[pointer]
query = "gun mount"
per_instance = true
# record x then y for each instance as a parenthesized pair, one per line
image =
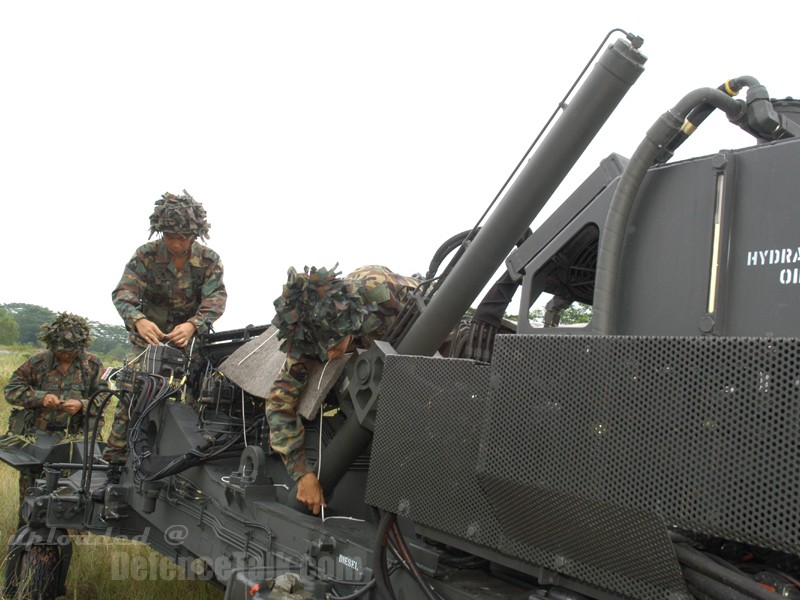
(649, 454)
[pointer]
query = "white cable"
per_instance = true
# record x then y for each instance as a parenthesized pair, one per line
(324, 518)
(258, 348)
(244, 425)
(319, 443)
(322, 375)
(319, 455)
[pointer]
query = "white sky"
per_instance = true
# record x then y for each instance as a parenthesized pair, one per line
(314, 132)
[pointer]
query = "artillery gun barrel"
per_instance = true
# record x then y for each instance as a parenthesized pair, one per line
(616, 71)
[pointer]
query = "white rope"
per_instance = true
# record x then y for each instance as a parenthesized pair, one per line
(244, 425)
(257, 349)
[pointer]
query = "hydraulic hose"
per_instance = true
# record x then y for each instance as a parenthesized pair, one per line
(710, 587)
(427, 591)
(383, 587)
(730, 577)
(701, 112)
(446, 248)
(86, 476)
(658, 136)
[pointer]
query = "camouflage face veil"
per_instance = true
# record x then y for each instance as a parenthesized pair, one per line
(67, 332)
(179, 214)
(315, 312)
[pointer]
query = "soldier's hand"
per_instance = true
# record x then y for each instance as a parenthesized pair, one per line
(182, 334)
(309, 492)
(72, 406)
(51, 401)
(149, 331)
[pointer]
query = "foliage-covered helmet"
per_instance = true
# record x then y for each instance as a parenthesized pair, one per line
(179, 214)
(315, 312)
(67, 332)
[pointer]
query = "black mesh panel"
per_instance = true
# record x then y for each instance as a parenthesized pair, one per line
(584, 449)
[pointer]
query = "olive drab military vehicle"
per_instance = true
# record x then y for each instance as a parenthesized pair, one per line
(652, 453)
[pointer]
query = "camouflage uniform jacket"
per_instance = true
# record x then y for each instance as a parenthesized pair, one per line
(152, 288)
(287, 437)
(39, 376)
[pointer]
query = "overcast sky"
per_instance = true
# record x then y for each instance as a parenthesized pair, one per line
(314, 132)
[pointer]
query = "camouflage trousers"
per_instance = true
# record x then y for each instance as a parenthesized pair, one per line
(116, 451)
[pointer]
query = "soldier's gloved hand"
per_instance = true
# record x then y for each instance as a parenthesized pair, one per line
(72, 406)
(182, 334)
(51, 401)
(149, 331)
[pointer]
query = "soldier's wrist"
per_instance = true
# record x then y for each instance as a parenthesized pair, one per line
(297, 475)
(37, 399)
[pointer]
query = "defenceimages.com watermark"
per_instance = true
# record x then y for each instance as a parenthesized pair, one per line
(156, 567)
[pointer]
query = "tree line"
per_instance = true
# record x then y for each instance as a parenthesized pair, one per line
(20, 323)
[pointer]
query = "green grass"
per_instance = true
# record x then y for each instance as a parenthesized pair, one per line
(102, 567)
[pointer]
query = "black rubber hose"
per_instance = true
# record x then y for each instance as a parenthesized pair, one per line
(610, 251)
(735, 579)
(701, 112)
(412, 566)
(712, 588)
(383, 587)
(698, 594)
(357, 594)
(86, 476)
(446, 248)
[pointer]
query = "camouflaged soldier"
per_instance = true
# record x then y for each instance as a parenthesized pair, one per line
(321, 317)
(52, 388)
(170, 290)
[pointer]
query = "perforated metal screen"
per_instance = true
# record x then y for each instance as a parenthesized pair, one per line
(426, 440)
(584, 448)
(703, 431)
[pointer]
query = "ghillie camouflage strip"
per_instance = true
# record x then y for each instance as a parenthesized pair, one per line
(66, 332)
(179, 214)
(369, 298)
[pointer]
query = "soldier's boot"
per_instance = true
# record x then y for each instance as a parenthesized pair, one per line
(112, 478)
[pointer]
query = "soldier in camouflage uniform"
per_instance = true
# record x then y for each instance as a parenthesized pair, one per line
(52, 388)
(170, 290)
(321, 317)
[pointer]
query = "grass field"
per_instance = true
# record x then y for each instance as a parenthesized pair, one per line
(102, 567)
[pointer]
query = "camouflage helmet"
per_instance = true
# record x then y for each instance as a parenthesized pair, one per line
(316, 311)
(66, 332)
(179, 214)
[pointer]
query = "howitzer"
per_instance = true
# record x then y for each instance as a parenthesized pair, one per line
(650, 453)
